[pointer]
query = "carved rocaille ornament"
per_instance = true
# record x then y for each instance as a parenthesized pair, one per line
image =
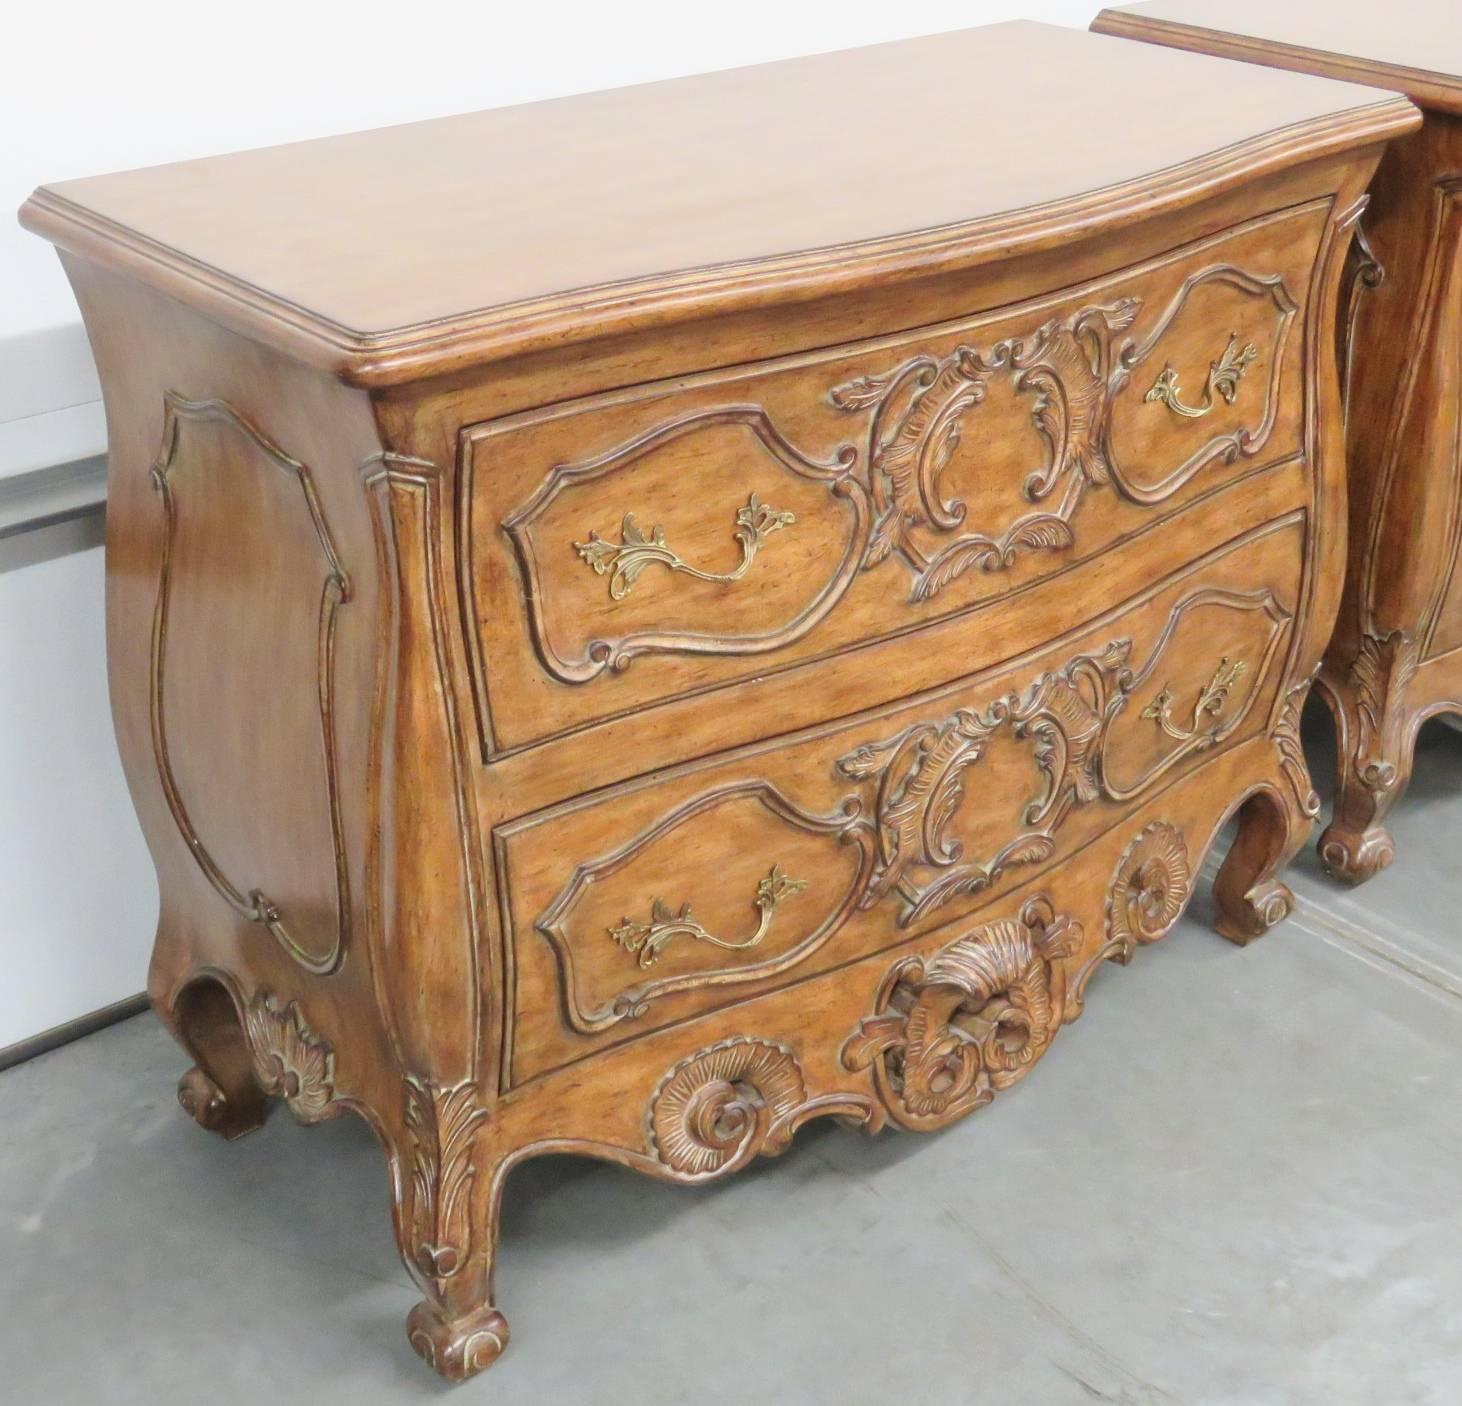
(917, 413)
(921, 776)
(1150, 888)
(948, 1032)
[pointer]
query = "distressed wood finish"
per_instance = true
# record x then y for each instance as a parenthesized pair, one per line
(632, 708)
(1396, 657)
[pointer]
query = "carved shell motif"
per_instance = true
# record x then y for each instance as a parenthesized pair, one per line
(723, 1105)
(290, 1061)
(1149, 889)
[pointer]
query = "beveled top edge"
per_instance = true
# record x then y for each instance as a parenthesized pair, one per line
(444, 345)
(1434, 89)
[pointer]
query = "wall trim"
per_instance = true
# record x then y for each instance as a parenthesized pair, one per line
(70, 1030)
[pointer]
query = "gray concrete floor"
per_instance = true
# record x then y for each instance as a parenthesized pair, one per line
(1235, 1180)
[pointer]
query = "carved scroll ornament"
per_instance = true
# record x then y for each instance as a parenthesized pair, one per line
(1066, 716)
(950, 1031)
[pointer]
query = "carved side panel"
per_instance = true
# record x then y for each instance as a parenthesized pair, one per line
(243, 648)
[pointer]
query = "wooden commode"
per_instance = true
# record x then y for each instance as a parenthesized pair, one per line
(1396, 658)
(642, 620)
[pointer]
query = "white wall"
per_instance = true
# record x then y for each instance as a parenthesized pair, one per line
(93, 86)
(79, 903)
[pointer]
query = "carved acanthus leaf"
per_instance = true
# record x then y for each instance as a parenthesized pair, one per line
(290, 1061)
(442, 1123)
(1380, 673)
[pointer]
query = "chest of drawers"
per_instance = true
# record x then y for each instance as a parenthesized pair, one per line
(640, 621)
(1396, 658)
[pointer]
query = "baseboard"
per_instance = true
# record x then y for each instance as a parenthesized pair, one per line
(70, 1030)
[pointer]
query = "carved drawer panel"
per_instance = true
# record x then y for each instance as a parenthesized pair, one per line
(656, 900)
(650, 543)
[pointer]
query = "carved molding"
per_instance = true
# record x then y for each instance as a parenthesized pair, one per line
(427, 918)
(1241, 443)
(1382, 669)
(618, 653)
(250, 901)
(950, 1031)
(1363, 271)
(1291, 750)
(846, 827)
(442, 1123)
(290, 1061)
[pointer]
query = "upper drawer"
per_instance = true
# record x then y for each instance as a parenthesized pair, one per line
(632, 547)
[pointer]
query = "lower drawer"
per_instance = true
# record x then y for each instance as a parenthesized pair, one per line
(695, 887)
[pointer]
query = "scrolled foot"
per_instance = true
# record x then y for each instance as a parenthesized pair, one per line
(1355, 856)
(1243, 919)
(212, 1109)
(459, 1347)
(1248, 898)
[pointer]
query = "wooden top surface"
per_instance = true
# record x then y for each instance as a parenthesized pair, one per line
(407, 250)
(1411, 46)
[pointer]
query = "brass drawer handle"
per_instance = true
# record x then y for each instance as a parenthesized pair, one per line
(649, 939)
(623, 561)
(1223, 379)
(1210, 704)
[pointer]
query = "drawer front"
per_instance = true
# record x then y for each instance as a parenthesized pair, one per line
(646, 544)
(664, 898)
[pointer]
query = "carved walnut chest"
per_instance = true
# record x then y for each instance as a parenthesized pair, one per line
(639, 621)
(1396, 658)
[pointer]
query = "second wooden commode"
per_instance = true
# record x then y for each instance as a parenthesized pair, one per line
(640, 621)
(1396, 658)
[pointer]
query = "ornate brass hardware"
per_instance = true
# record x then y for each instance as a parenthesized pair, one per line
(649, 939)
(623, 561)
(1223, 380)
(1209, 705)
